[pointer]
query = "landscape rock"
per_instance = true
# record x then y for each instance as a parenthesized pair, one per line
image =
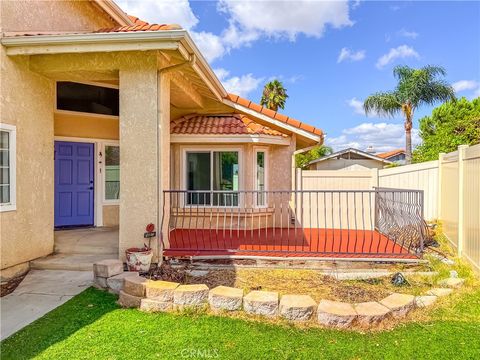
(335, 313)
(115, 283)
(107, 268)
(128, 301)
(161, 290)
(261, 303)
(297, 307)
(425, 300)
(225, 298)
(100, 282)
(190, 295)
(372, 312)
(134, 285)
(440, 292)
(451, 282)
(155, 305)
(400, 304)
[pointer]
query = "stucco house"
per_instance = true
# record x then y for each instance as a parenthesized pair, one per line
(349, 159)
(102, 112)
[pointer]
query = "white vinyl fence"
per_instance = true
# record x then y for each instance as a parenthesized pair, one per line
(451, 187)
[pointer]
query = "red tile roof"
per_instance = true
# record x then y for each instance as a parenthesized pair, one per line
(386, 155)
(140, 25)
(274, 115)
(231, 124)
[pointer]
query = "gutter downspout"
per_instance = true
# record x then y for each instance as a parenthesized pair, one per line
(160, 198)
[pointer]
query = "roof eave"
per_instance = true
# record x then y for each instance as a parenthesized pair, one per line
(128, 41)
(308, 135)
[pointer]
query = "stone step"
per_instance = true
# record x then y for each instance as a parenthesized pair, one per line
(451, 282)
(115, 283)
(129, 301)
(297, 307)
(190, 295)
(336, 313)
(440, 292)
(160, 290)
(74, 262)
(155, 305)
(261, 303)
(372, 312)
(135, 286)
(425, 300)
(225, 298)
(400, 304)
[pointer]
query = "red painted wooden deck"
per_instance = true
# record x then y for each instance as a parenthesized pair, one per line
(285, 243)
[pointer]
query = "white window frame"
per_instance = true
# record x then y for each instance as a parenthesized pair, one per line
(256, 150)
(106, 201)
(211, 150)
(12, 156)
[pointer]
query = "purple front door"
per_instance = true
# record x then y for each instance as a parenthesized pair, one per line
(74, 182)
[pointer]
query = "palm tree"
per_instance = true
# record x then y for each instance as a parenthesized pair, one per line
(416, 87)
(274, 95)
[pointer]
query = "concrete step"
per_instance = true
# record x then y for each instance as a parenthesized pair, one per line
(74, 262)
(87, 241)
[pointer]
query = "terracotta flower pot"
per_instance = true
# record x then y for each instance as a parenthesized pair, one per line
(139, 259)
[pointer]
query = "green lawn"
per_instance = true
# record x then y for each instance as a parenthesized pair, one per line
(92, 326)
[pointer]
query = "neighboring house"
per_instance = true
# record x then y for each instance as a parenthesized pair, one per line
(349, 159)
(101, 112)
(396, 156)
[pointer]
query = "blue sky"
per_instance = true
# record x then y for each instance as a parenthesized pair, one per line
(330, 55)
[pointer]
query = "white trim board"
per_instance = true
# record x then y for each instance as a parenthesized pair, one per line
(12, 167)
(258, 139)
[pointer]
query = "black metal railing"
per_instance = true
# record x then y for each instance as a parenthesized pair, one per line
(355, 223)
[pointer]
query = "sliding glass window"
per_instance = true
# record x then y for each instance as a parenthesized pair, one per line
(214, 178)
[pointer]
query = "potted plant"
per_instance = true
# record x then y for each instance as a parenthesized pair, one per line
(139, 259)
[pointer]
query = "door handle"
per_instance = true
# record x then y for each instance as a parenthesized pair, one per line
(90, 188)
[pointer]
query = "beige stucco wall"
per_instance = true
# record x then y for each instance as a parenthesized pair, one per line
(347, 164)
(26, 101)
(110, 215)
(52, 15)
(85, 126)
(141, 121)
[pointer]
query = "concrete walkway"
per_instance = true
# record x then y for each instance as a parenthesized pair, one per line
(78, 249)
(40, 292)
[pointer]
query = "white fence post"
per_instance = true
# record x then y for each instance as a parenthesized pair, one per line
(441, 158)
(374, 177)
(461, 195)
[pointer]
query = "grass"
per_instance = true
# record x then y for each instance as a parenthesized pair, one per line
(92, 326)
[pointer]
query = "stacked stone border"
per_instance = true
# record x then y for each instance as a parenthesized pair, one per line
(154, 296)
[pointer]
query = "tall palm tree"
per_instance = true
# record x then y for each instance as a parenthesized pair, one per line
(416, 87)
(274, 95)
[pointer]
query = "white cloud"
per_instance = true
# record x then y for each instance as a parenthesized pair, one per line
(239, 85)
(463, 85)
(408, 34)
(210, 45)
(248, 20)
(400, 52)
(161, 12)
(356, 105)
(284, 19)
(381, 136)
(176, 12)
(347, 54)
